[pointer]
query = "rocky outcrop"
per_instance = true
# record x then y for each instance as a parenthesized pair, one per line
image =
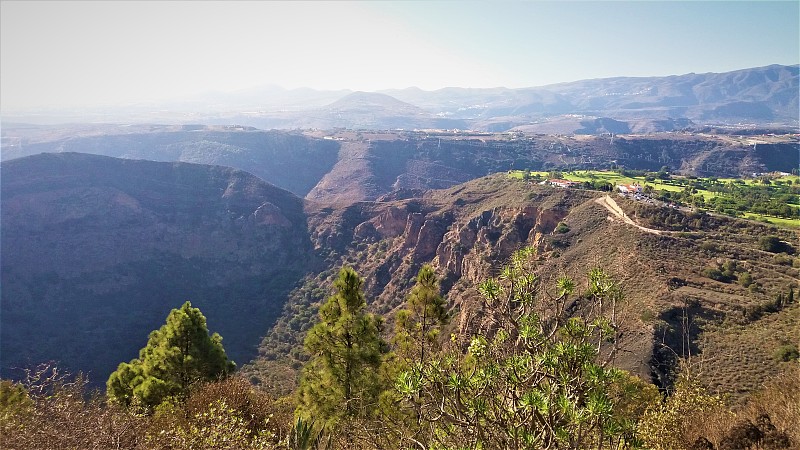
(388, 224)
(460, 247)
(463, 247)
(494, 234)
(429, 238)
(411, 232)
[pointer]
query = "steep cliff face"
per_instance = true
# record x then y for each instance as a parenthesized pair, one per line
(498, 233)
(464, 232)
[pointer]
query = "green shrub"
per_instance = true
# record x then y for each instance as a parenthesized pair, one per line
(769, 243)
(782, 259)
(714, 274)
(773, 244)
(786, 353)
(562, 228)
(539, 380)
(670, 424)
(745, 279)
(647, 316)
(708, 246)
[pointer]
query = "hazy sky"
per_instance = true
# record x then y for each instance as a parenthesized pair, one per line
(67, 53)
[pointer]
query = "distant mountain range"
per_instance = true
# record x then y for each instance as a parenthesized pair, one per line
(757, 96)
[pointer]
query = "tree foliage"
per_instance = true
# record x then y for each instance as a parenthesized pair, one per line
(416, 341)
(177, 356)
(773, 244)
(417, 327)
(534, 379)
(667, 425)
(341, 380)
(14, 399)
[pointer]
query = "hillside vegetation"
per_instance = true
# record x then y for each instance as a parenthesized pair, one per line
(536, 377)
(467, 231)
(98, 249)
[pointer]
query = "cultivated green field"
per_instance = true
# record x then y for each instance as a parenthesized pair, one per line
(779, 221)
(677, 184)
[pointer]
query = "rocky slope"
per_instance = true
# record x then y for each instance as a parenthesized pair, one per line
(97, 250)
(372, 165)
(468, 231)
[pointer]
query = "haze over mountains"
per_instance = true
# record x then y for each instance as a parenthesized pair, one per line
(763, 96)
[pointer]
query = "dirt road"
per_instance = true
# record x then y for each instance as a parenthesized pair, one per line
(617, 212)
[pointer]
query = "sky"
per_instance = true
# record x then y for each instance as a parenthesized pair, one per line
(102, 53)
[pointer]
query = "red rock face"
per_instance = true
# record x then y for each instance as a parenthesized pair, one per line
(388, 224)
(429, 239)
(411, 231)
(392, 222)
(498, 232)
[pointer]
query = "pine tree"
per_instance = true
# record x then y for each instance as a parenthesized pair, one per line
(341, 380)
(418, 326)
(416, 340)
(176, 356)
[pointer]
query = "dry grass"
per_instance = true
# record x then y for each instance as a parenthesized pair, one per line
(58, 416)
(780, 398)
(774, 411)
(737, 359)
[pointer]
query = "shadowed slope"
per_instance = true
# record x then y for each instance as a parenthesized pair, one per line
(97, 250)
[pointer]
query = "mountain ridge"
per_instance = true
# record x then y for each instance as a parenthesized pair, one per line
(97, 249)
(765, 95)
(346, 166)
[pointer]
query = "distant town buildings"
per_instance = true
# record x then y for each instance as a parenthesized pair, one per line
(563, 183)
(635, 188)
